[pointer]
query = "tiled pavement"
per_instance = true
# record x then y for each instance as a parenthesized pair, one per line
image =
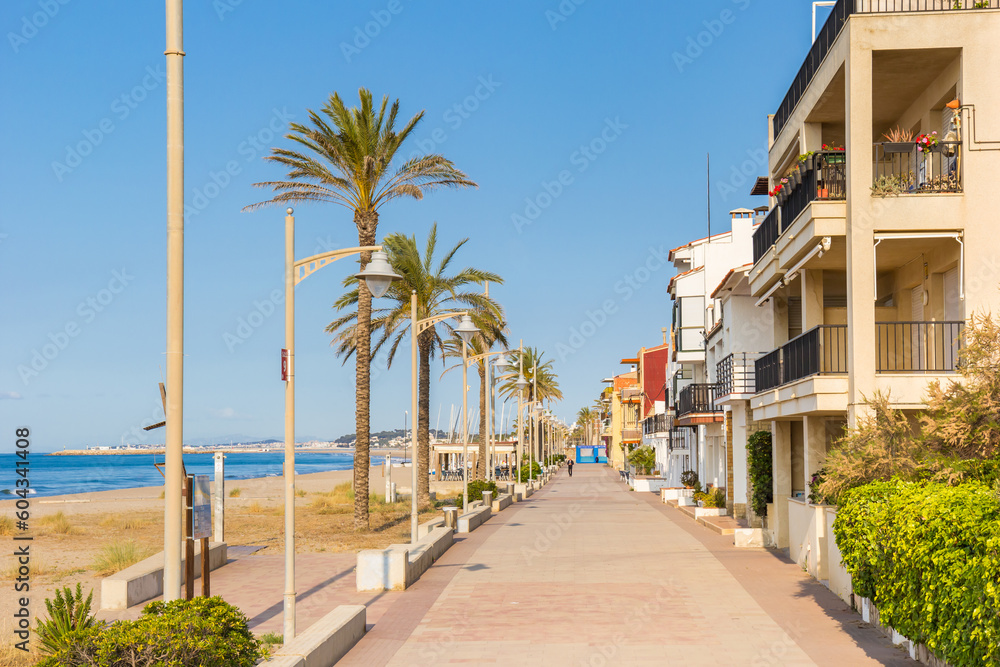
(588, 573)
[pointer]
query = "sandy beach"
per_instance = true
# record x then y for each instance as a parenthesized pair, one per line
(71, 531)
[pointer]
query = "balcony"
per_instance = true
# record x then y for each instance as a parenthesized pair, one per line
(736, 375)
(681, 439)
(696, 399)
(631, 395)
(917, 347)
(835, 24)
(823, 176)
(656, 424)
(631, 434)
(900, 168)
(819, 351)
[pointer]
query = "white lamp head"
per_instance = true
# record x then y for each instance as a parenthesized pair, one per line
(378, 274)
(466, 329)
(521, 383)
(502, 364)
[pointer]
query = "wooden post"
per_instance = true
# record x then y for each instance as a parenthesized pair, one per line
(205, 568)
(189, 540)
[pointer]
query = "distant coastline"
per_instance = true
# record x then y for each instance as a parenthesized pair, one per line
(211, 450)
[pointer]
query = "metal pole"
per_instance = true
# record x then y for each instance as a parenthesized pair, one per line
(465, 426)
(289, 471)
(488, 466)
(534, 423)
(173, 514)
(520, 408)
(414, 334)
(220, 497)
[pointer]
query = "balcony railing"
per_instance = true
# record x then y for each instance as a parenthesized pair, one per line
(631, 394)
(680, 438)
(696, 398)
(821, 350)
(822, 176)
(918, 347)
(736, 374)
(767, 233)
(656, 424)
(900, 168)
(832, 28)
(631, 434)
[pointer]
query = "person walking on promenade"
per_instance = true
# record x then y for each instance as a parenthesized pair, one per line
(569, 464)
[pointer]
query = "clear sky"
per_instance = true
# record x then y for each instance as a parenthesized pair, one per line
(585, 123)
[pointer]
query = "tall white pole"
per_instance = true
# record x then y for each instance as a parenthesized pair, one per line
(520, 408)
(289, 472)
(534, 422)
(488, 464)
(414, 335)
(172, 500)
(465, 426)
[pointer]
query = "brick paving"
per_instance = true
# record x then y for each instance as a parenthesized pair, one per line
(588, 573)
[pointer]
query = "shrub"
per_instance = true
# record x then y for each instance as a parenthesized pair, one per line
(536, 470)
(235, 492)
(206, 632)
(689, 478)
(6, 525)
(476, 488)
(116, 556)
(643, 458)
(70, 620)
(927, 556)
(759, 465)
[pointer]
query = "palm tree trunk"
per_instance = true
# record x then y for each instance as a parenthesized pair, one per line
(483, 454)
(367, 222)
(424, 420)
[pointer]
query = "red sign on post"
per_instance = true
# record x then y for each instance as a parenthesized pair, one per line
(284, 365)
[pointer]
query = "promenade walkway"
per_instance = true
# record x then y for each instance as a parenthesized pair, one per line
(587, 572)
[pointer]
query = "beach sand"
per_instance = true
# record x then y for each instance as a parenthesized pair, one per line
(66, 545)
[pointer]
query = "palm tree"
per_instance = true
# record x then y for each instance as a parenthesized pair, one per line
(492, 330)
(546, 383)
(348, 159)
(585, 418)
(437, 293)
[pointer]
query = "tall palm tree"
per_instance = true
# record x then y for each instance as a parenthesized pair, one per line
(437, 293)
(585, 418)
(492, 330)
(546, 383)
(348, 158)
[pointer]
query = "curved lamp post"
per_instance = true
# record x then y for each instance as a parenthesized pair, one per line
(417, 327)
(502, 365)
(521, 385)
(378, 275)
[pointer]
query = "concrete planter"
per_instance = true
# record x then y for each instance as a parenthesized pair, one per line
(709, 511)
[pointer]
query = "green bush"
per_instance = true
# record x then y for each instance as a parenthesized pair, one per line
(928, 556)
(535, 469)
(643, 458)
(761, 473)
(206, 632)
(689, 478)
(476, 488)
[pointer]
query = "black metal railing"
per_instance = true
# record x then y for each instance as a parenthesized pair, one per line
(766, 234)
(820, 351)
(736, 374)
(656, 424)
(835, 24)
(696, 398)
(680, 438)
(822, 176)
(903, 168)
(917, 347)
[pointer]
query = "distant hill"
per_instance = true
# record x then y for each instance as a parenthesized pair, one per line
(383, 435)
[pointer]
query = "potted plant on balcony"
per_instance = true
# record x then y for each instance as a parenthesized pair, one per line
(835, 154)
(795, 176)
(806, 162)
(897, 140)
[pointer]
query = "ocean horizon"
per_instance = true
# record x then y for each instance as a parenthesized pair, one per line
(57, 475)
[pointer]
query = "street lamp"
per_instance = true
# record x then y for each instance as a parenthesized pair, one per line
(501, 364)
(417, 327)
(521, 385)
(500, 367)
(378, 274)
(466, 330)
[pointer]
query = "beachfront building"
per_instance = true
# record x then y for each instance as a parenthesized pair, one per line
(697, 439)
(624, 431)
(880, 240)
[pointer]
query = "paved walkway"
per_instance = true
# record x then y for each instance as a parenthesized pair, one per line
(587, 572)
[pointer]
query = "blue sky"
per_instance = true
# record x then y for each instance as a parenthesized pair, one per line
(586, 125)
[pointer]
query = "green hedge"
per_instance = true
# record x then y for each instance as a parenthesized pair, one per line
(476, 488)
(928, 556)
(761, 473)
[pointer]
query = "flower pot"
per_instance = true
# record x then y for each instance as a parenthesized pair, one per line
(786, 189)
(809, 163)
(898, 146)
(796, 178)
(822, 193)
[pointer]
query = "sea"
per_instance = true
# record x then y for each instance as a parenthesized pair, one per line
(57, 475)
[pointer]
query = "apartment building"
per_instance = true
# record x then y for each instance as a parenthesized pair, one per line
(696, 433)
(880, 239)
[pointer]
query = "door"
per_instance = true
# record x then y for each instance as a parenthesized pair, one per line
(953, 318)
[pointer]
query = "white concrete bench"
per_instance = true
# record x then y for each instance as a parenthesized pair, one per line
(523, 490)
(502, 502)
(144, 580)
(398, 566)
(326, 641)
(469, 521)
(427, 526)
